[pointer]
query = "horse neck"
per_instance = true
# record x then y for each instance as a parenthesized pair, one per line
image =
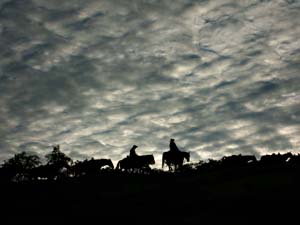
(104, 162)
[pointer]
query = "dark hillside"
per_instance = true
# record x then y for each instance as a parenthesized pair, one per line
(212, 196)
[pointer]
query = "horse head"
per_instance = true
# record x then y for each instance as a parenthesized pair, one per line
(187, 156)
(151, 159)
(164, 158)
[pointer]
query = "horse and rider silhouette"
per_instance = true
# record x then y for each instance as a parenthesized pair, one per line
(135, 162)
(173, 158)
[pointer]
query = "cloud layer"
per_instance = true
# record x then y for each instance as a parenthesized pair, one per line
(96, 77)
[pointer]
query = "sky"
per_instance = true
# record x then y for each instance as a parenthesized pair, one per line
(98, 76)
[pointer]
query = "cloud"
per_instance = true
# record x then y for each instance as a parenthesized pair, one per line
(100, 76)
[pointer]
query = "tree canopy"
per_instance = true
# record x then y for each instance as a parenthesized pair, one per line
(58, 158)
(22, 161)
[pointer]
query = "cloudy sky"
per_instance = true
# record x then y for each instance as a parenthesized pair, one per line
(97, 76)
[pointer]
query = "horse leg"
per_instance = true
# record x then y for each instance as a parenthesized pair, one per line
(177, 167)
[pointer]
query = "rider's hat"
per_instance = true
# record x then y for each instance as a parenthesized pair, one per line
(172, 139)
(135, 146)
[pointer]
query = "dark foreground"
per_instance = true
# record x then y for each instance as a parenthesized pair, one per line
(228, 196)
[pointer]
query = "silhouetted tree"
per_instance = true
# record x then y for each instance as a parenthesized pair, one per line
(58, 158)
(58, 164)
(19, 165)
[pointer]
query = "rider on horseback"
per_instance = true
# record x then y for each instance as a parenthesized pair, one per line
(174, 157)
(132, 152)
(173, 146)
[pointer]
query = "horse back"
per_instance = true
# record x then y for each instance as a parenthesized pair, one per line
(105, 162)
(148, 159)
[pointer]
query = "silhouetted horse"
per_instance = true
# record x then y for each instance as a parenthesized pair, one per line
(104, 162)
(174, 160)
(293, 161)
(89, 167)
(136, 164)
(48, 172)
(238, 160)
(276, 159)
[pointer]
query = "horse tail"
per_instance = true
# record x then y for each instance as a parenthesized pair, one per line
(118, 166)
(163, 160)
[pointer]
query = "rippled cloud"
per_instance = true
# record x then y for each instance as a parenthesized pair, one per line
(97, 77)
